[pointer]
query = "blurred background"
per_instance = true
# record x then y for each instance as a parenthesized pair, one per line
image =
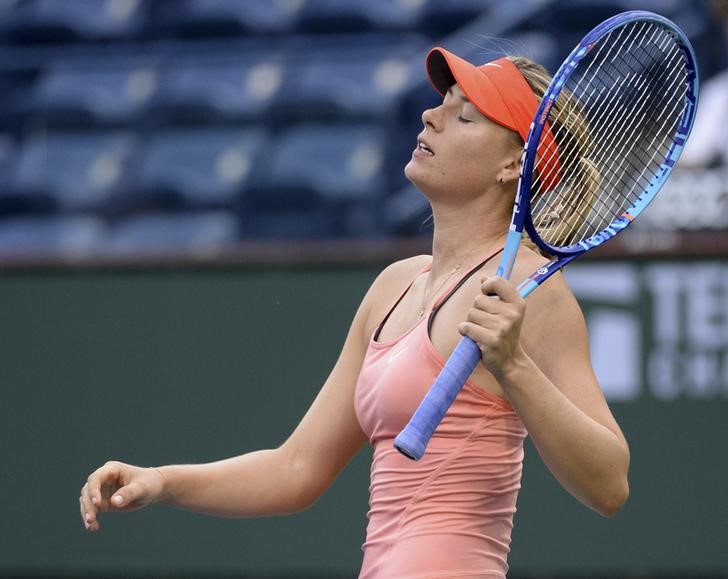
(194, 197)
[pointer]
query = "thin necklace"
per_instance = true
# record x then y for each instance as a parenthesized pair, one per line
(427, 296)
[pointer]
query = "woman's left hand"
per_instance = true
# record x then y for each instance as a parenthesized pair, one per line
(494, 323)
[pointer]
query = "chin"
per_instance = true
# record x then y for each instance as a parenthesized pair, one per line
(416, 177)
(410, 169)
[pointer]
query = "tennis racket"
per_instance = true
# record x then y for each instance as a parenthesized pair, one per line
(620, 109)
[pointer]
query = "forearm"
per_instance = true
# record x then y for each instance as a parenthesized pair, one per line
(261, 483)
(587, 458)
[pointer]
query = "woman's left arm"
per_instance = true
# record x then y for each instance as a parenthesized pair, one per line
(553, 387)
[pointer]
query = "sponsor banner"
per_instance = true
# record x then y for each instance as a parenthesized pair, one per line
(658, 330)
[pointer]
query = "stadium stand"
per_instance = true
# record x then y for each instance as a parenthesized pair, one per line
(197, 168)
(215, 121)
(192, 18)
(155, 234)
(67, 237)
(49, 20)
(220, 88)
(73, 93)
(71, 171)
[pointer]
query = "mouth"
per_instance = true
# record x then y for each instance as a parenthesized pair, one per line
(422, 146)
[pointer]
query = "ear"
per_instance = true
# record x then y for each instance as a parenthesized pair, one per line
(509, 170)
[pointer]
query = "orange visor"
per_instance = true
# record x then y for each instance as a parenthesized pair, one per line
(501, 93)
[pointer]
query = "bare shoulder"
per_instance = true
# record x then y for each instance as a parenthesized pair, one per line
(389, 285)
(553, 316)
(394, 275)
(405, 267)
(555, 305)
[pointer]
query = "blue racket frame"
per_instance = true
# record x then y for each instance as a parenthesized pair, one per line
(413, 439)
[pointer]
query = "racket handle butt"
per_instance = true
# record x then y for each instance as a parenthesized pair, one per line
(410, 445)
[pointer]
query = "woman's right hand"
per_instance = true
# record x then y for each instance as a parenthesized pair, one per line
(118, 487)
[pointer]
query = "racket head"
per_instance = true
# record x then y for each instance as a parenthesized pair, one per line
(654, 91)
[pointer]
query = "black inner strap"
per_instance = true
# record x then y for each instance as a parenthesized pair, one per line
(465, 278)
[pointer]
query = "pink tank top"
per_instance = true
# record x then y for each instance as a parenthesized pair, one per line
(451, 513)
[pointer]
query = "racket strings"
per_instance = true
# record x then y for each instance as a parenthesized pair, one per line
(632, 144)
(568, 135)
(614, 128)
(572, 109)
(597, 119)
(636, 155)
(641, 107)
(640, 154)
(639, 158)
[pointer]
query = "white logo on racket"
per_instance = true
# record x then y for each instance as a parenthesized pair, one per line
(542, 270)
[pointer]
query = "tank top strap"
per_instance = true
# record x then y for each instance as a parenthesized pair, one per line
(448, 293)
(428, 267)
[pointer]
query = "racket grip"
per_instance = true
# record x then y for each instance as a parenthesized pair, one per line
(413, 440)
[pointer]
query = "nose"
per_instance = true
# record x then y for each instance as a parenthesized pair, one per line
(432, 118)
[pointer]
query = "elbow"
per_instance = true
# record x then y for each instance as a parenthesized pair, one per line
(305, 485)
(610, 502)
(302, 497)
(614, 490)
(305, 501)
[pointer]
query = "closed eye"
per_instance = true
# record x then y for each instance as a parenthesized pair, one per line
(464, 120)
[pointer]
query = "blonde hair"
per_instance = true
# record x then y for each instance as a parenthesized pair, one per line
(560, 223)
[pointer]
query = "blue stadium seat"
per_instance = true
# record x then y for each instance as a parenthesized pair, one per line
(439, 18)
(325, 163)
(539, 46)
(74, 171)
(50, 237)
(229, 17)
(339, 170)
(357, 76)
(291, 224)
(14, 90)
(569, 21)
(47, 20)
(7, 9)
(203, 167)
(199, 234)
(406, 213)
(338, 16)
(221, 88)
(7, 158)
(101, 92)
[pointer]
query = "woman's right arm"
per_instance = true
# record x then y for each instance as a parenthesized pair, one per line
(267, 482)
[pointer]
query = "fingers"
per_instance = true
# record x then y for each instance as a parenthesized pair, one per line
(498, 298)
(125, 496)
(484, 337)
(500, 287)
(96, 493)
(118, 487)
(90, 507)
(494, 323)
(87, 510)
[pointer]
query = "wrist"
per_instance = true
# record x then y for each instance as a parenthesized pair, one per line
(163, 484)
(511, 373)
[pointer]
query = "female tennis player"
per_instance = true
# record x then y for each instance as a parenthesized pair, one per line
(451, 513)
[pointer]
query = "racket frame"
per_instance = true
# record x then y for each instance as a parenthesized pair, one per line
(522, 206)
